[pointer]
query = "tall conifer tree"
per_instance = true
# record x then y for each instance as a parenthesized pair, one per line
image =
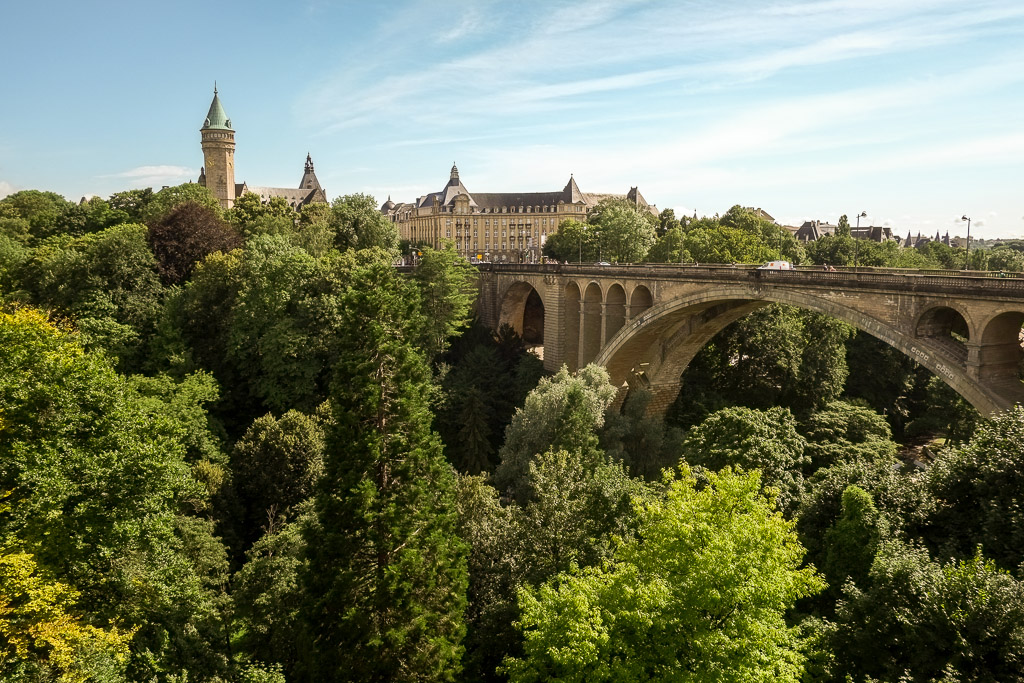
(387, 576)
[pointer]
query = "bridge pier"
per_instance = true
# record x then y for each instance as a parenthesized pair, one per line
(604, 323)
(663, 395)
(554, 327)
(581, 351)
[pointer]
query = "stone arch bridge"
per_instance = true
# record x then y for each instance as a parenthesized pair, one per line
(644, 323)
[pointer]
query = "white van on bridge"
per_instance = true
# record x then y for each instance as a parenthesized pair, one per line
(777, 265)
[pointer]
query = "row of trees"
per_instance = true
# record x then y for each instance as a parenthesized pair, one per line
(619, 231)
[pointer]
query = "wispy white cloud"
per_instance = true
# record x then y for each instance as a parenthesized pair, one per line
(151, 176)
(6, 188)
(546, 66)
(469, 22)
(715, 153)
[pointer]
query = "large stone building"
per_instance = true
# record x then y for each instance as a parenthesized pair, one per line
(495, 226)
(218, 172)
(815, 230)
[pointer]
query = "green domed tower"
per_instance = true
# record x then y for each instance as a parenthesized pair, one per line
(219, 154)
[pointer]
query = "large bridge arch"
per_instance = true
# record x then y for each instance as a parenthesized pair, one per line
(658, 344)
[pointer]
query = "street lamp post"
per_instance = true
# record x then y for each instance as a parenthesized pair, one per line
(856, 245)
(967, 257)
(682, 224)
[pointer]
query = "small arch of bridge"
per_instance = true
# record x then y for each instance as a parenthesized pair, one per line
(999, 352)
(523, 308)
(948, 326)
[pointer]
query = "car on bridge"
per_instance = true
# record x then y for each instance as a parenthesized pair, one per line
(776, 265)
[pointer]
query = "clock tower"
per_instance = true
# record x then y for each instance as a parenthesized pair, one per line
(219, 154)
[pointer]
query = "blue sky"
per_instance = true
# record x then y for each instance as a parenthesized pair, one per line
(911, 111)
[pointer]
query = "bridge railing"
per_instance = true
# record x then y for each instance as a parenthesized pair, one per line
(719, 267)
(864, 276)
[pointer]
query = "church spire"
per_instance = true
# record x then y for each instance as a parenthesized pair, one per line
(455, 172)
(216, 119)
(309, 181)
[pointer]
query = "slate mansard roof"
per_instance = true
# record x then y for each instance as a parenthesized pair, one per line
(296, 197)
(494, 202)
(308, 192)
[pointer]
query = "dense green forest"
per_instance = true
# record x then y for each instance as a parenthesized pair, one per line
(241, 446)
